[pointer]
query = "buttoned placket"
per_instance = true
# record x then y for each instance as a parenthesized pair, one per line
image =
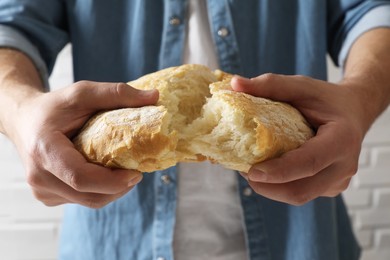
(254, 222)
(171, 55)
(165, 189)
(225, 40)
(173, 33)
(173, 37)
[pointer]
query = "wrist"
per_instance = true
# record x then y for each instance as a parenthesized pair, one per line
(367, 73)
(369, 96)
(19, 82)
(14, 107)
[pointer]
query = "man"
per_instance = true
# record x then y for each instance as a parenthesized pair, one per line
(291, 208)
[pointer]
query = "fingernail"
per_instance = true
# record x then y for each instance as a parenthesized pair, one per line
(240, 79)
(135, 180)
(257, 174)
(149, 92)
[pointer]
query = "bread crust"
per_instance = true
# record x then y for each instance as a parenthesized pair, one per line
(130, 138)
(197, 117)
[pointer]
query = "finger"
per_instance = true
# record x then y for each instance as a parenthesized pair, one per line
(326, 183)
(312, 157)
(244, 175)
(48, 198)
(277, 87)
(94, 200)
(102, 96)
(53, 192)
(71, 167)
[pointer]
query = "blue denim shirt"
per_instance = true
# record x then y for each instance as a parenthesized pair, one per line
(120, 40)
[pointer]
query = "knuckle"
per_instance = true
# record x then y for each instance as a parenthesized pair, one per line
(269, 78)
(75, 180)
(82, 84)
(121, 89)
(333, 194)
(39, 196)
(343, 186)
(353, 169)
(300, 77)
(299, 198)
(79, 91)
(45, 198)
(33, 179)
(95, 202)
(50, 202)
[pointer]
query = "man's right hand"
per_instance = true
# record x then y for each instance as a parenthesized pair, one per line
(41, 125)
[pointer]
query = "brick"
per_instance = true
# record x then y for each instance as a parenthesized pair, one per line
(383, 238)
(382, 198)
(12, 171)
(7, 150)
(5, 202)
(19, 205)
(364, 157)
(378, 175)
(357, 198)
(379, 132)
(373, 218)
(28, 241)
(374, 254)
(26, 208)
(365, 238)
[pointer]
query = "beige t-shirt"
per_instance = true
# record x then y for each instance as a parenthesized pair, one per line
(209, 222)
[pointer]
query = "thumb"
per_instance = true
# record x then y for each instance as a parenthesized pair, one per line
(102, 96)
(272, 86)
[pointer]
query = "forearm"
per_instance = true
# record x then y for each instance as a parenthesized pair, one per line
(367, 69)
(19, 80)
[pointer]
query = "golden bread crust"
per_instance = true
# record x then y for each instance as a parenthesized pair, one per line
(130, 138)
(198, 117)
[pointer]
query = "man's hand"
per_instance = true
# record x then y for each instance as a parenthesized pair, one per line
(324, 165)
(42, 130)
(341, 115)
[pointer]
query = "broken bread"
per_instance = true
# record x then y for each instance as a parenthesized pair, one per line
(197, 117)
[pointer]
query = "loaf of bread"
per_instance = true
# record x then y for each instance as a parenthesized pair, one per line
(198, 117)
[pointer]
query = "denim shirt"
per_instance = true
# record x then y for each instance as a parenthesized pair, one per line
(120, 40)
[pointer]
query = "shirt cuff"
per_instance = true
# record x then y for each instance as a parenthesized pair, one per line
(375, 18)
(11, 38)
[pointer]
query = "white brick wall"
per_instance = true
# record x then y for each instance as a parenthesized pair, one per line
(368, 196)
(29, 230)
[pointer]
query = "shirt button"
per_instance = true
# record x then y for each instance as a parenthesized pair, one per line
(223, 32)
(247, 191)
(175, 21)
(166, 179)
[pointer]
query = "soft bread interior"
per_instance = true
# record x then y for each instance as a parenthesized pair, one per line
(198, 117)
(183, 91)
(222, 134)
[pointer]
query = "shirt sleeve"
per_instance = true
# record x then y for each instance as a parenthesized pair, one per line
(11, 38)
(375, 18)
(343, 16)
(37, 28)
